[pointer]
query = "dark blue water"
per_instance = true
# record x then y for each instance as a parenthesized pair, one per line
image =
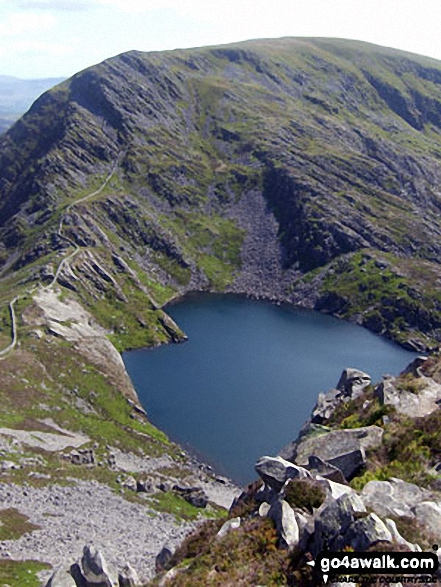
(249, 375)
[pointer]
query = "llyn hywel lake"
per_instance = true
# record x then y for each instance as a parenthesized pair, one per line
(246, 380)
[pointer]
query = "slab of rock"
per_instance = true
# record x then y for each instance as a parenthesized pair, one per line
(232, 524)
(283, 517)
(423, 402)
(128, 577)
(342, 448)
(46, 440)
(318, 467)
(275, 471)
(364, 533)
(394, 497)
(61, 577)
(428, 513)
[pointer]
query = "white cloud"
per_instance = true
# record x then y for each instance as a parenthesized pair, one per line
(51, 5)
(23, 23)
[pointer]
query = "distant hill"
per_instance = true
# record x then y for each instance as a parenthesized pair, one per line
(17, 95)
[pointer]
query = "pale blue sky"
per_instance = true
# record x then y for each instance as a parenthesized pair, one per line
(47, 38)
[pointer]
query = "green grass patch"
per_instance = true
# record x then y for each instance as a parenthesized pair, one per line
(21, 574)
(171, 503)
(13, 524)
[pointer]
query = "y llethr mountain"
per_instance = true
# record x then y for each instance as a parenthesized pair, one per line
(302, 170)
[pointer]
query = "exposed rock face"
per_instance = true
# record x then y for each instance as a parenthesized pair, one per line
(344, 449)
(275, 471)
(422, 400)
(352, 382)
(306, 200)
(228, 527)
(394, 497)
(341, 521)
(284, 519)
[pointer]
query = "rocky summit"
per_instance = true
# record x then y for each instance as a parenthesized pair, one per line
(296, 170)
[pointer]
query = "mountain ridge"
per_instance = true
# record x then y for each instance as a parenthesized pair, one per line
(342, 146)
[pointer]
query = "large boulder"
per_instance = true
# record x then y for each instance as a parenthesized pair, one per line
(162, 559)
(195, 496)
(345, 449)
(417, 400)
(365, 532)
(353, 382)
(285, 521)
(275, 471)
(94, 571)
(394, 497)
(128, 577)
(61, 577)
(428, 514)
(334, 519)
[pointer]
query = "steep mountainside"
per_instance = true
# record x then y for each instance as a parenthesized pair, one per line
(304, 170)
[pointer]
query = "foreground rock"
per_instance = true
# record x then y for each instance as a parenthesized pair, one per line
(344, 449)
(276, 471)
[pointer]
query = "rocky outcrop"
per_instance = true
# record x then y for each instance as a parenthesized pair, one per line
(285, 521)
(397, 498)
(340, 521)
(276, 471)
(351, 385)
(419, 398)
(93, 571)
(344, 449)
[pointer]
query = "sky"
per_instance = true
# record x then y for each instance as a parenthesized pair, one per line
(57, 38)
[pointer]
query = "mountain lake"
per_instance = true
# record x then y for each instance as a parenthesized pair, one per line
(247, 379)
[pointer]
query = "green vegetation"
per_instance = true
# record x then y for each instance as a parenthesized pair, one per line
(21, 573)
(13, 525)
(172, 503)
(248, 556)
(375, 289)
(305, 494)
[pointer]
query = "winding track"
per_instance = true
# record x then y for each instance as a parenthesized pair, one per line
(63, 262)
(13, 329)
